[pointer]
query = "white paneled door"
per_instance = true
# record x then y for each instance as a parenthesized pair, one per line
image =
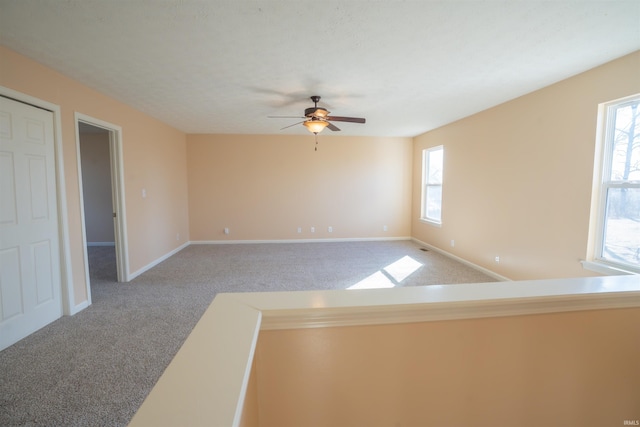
(29, 251)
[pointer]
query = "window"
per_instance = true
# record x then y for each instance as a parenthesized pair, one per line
(432, 161)
(616, 239)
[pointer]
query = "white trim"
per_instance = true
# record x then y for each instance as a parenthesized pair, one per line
(364, 239)
(79, 307)
(225, 382)
(450, 310)
(101, 243)
(603, 268)
(463, 261)
(594, 240)
(228, 331)
(117, 183)
(85, 255)
(66, 274)
(605, 131)
(347, 239)
(426, 153)
(431, 222)
(157, 261)
(117, 191)
(234, 242)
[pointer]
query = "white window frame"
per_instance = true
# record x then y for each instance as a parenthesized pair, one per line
(426, 184)
(601, 184)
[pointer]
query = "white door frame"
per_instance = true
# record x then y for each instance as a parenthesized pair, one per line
(117, 191)
(69, 306)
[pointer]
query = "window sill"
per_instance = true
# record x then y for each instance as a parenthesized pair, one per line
(603, 268)
(431, 222)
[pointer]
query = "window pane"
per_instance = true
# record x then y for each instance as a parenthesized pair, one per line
(434, 202)
(432, 164)
(435, 167)
(622, 226)
(625, 165)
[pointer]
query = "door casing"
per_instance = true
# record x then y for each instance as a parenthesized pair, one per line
(117, 195)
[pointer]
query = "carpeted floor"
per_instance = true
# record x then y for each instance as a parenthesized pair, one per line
(96, 368)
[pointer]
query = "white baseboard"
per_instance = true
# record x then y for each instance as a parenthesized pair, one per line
(79, 307)
(346, 239)
(157, 261)
(152, 264)
(101, 243)
(357, 239)
(463, 261)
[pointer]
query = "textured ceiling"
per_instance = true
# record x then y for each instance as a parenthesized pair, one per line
(407, 66)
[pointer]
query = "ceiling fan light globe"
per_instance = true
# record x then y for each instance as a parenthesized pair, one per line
(315, 126)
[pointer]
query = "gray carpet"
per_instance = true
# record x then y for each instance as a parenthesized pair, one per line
(96, 368)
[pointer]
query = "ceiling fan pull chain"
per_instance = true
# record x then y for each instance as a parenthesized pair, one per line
(316, 149)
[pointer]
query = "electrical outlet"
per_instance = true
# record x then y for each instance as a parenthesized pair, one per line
(299, 229)
(226, 230)
(177, 236)
(384, 228)
(453, 243)
(330, 229)
(497, 259)
(313, 229)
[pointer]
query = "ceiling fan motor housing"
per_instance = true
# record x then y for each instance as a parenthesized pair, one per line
(316, 112)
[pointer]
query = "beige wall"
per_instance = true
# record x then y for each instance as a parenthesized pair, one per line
(517, 177)
(562, 369)
(250, 416)
(96, 187)
(263, 187)
(154, 158)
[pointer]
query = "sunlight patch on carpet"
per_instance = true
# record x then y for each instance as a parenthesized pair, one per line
(390, 275)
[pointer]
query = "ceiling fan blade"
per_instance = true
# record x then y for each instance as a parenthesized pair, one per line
(332, 127)
(346, 119)
(286, 117)
(286, 127)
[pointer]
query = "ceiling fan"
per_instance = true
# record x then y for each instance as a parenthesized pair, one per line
(318, 118)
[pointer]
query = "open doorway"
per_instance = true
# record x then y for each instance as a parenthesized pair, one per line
(102, 192)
